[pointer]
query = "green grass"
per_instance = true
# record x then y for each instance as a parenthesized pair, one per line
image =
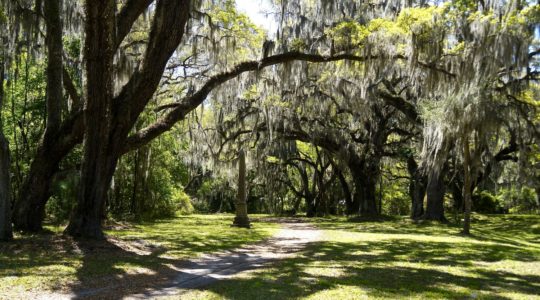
(401, 260)
(141, 253)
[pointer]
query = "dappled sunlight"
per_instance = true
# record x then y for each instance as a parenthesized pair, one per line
(134, 253)
(384, 263)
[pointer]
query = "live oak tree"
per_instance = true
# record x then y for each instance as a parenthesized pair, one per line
(106, 141)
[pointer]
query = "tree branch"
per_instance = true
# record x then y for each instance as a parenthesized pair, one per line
(129, 13)
(179, 112)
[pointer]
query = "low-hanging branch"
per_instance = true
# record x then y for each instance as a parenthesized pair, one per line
(178, 111)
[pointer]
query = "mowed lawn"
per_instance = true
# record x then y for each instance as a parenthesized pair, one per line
(141, 254)
(401, 260)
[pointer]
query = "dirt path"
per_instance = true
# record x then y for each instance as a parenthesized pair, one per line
(207, 269)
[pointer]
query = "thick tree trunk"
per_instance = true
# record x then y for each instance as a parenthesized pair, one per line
(99, 159)
(241, 219)
(368, 202)
(29, 208)
(5, 184)
(365, 178)
(34, 193)
(467, 193)
(417, 189)
(537, 198)
(435, 197)
(108, 121)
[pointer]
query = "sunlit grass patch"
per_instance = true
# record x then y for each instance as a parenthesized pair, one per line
(402, 260)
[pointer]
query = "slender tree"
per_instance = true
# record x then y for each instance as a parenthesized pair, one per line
(5, 184)
(241, 219)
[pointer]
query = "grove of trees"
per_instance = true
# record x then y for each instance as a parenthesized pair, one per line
(135, 109)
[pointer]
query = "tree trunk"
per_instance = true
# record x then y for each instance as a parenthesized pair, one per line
(5, 184)
(311, 206)
(457, 194)
(537, 198)
(365, 178)
(29, 210)
(346, 191)
(417, 189)
(54, 66)
(105, 140)
(100, 158)
(435, 197)
(241, 219)
(466, 186)
(5, 193)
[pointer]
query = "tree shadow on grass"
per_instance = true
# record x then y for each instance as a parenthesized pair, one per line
(372, 268)
(127, 264)
(110, 271)
(102, 276)
(513, 230)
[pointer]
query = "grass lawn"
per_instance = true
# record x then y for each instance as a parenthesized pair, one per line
(401, 260)
(141, 253)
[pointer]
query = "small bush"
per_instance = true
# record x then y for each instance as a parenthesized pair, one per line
(485, 202)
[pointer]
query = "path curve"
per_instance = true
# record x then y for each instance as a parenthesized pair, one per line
(290, 239)
(203, 271)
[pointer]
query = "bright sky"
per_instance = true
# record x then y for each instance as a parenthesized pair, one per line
(256, 10)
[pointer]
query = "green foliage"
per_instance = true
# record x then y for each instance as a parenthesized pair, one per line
(3, 18)
(485, 202)
(148, 183)
(233, 34)
(215, 195)
(298, 45)
(519, 200)
(396, 200)
(62, 202)
(23, 111)
(532, 14)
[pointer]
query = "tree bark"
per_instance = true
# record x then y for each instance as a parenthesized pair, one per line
(365, 178)
(5, 192)
(435, 197)
(34, 193)
(241, 219)
(99, 161)
(29, 210)
(417, 189)
(349, 209)
(104, 142)
(467, 193)
(6, 232)
(54, 66)
(457, 194)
